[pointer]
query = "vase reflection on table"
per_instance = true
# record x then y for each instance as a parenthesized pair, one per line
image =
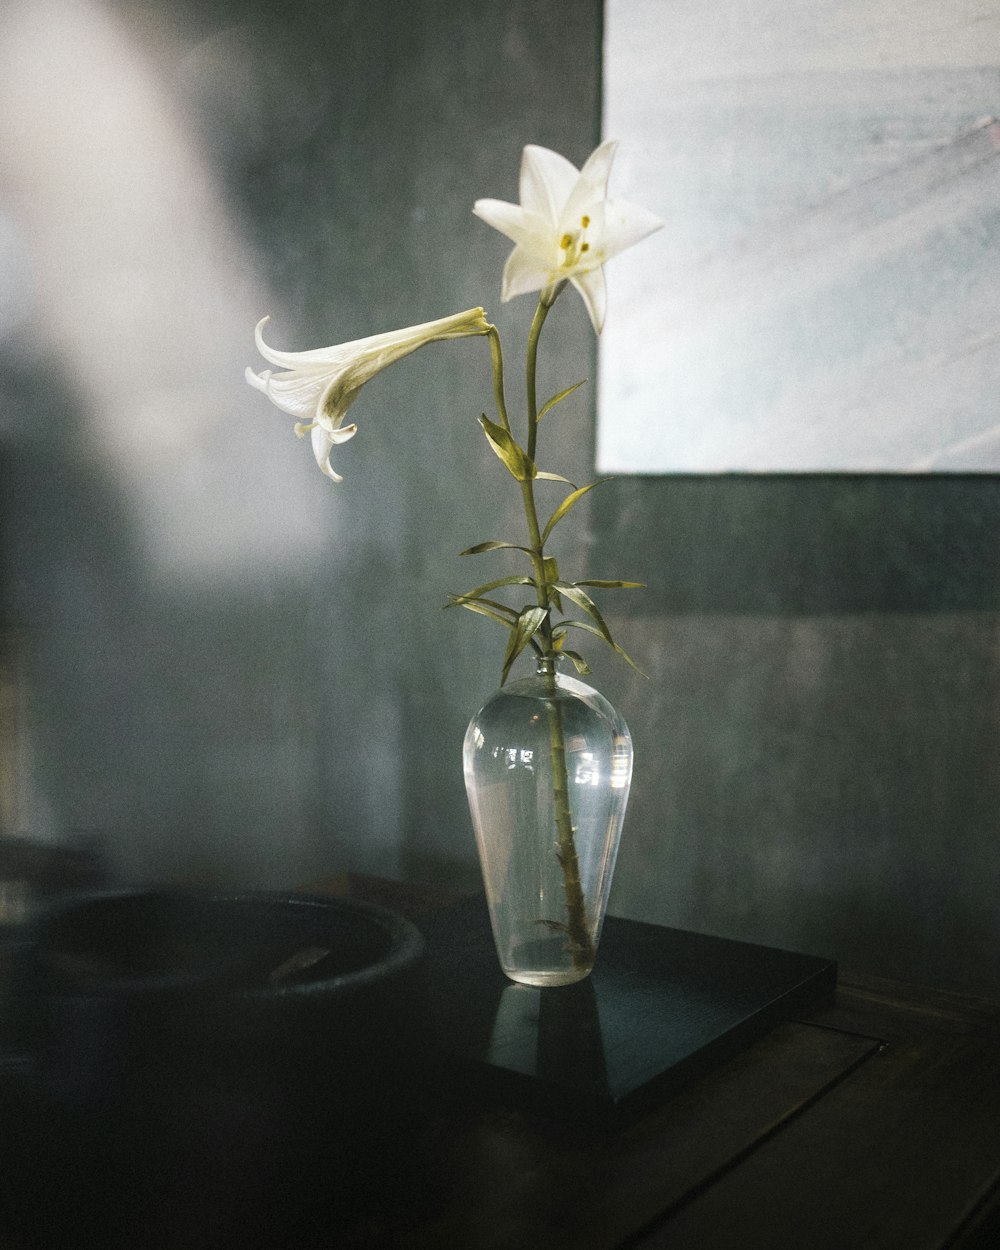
(548, 764)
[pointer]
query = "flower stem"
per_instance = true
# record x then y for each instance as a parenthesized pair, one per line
(579, 944)
(541, 312)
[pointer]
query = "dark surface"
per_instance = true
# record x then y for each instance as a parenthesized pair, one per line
(661, 1008)
(167, 1093)
(870, 1120)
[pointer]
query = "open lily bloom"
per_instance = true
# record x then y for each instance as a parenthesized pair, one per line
(318, 387)
(565, 227)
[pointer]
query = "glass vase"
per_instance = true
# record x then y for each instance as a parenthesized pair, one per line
(548, 763)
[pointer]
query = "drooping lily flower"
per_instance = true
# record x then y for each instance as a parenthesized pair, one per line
(565, 227)
(319, 386)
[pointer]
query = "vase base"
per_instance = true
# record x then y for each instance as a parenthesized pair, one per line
(563, 976)
(661, 1009)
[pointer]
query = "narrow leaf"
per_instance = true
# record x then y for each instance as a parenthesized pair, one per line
(474, 605)
(592, 629)
(583, 600)
(488, 586)
(463, 601)
(552, 576)
(554, 477)
(579, 663)
(524, 629)
(493, 545)
(511, 453)
(601, 584)
(565, 506)
(557, 399)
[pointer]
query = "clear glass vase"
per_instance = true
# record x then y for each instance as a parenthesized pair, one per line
(548, 763)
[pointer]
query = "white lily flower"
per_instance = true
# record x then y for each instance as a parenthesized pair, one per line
(565, 227)
(319, 386)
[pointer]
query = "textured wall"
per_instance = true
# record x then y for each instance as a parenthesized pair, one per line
(818, 732)
(239, 672)
(233, 669)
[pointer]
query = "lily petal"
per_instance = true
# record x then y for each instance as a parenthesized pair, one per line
(295, 393)
(528, 230)
(565, 227)
(507, 218)
(321, 445)
(594, 290)
(288, 360)
(626, 224)
(546, 182)
(523, 272)
(597, 168)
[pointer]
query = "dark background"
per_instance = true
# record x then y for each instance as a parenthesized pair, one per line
(233, 671)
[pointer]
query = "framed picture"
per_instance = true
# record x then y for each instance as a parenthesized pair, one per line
(825, 295)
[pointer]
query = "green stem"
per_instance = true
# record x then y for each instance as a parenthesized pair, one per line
(579, 941)
(579, 944)
(541, 312)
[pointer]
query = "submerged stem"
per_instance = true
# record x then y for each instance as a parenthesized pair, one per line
(580, 945)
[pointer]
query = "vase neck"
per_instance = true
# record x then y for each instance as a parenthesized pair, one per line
(545, 665)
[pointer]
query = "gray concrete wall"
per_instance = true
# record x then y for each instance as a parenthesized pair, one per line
(240, 673)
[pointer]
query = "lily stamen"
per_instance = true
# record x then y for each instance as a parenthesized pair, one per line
(566, 228)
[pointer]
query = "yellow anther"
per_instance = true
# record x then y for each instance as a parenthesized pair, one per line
(584, 247)
(566, 241)
(585, 222)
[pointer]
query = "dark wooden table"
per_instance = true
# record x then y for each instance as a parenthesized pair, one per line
(812, 1138)
(872, 1122)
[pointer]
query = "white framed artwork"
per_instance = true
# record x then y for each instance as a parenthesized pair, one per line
(825, 294)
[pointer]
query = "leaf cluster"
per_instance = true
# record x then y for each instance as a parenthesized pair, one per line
(544, 625)
(537, 625)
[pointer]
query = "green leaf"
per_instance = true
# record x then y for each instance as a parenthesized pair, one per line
(601, 584)
(475, 605)
(553, 477)
(551, 577)
(493, 545)
(583, 600)
(468, 601)
(488, 586)
(557, 399)
(510, 452)
(579, 663)
(565, 506)
(482, 610)
(524, 630)
(592, 629)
